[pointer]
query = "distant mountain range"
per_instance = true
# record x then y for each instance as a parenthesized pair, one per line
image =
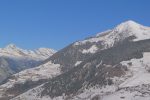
(14, 59)
(113, 65)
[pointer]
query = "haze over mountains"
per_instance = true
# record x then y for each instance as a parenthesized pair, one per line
(112, 65)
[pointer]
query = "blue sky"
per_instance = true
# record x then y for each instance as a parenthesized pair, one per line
(31, 24)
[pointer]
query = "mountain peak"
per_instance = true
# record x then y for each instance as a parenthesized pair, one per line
(12, 46)
(128, 26)
(131, 28)
(131, 22)
(38, 54)
(119, 33)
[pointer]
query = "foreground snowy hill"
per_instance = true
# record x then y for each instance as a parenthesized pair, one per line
(14, 59)
(108, 66)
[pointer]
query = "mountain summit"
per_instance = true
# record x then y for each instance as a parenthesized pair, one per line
(128, 25)
(132, 28)
(11, 46)
(119, 33)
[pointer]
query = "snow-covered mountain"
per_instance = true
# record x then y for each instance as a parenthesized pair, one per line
(80, 50)
(13, 51)
(113, 65)
(14, 59)
(119, 33)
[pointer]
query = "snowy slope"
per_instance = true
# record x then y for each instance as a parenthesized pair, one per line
(45, 71)
(139, 71)
(135, 84)
(30, 95)
(131, 93)
(92, 49)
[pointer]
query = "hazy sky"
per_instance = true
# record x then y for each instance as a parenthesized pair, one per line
(31, 24)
